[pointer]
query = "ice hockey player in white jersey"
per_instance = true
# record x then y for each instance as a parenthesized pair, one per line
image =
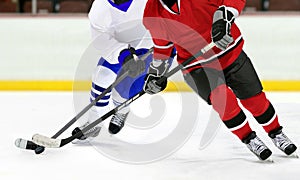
(117, 28)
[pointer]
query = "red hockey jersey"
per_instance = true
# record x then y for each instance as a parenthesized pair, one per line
(187, 27)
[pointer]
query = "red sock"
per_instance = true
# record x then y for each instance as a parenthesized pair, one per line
(262, 110)
(225, 103)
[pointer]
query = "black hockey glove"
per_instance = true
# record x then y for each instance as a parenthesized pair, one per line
(157, 69)
(222, 21)
(131, 62)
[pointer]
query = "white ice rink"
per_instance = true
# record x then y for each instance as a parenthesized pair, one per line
(225, 158)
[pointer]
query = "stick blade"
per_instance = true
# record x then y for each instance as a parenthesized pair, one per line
(21, 143)
(46, 141)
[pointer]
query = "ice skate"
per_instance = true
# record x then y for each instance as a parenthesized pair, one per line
(88, 135)
(257, 146)
(117, 122)
(282, 142)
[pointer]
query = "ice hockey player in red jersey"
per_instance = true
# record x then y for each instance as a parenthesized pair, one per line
(222, 75)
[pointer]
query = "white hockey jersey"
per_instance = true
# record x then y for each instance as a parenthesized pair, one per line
(113, 29)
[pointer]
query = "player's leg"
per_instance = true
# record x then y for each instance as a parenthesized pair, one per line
(126, 89)
(118, 119)
(103, 76)
(265, 114)
(209, 84)
(247, 86)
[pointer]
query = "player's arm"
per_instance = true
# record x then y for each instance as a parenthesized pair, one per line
(238, 5)
(162, 59)
(163, 50)
(223, 18)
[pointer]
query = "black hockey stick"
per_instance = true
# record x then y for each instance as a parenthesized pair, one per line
(26, 144)
(57, 143)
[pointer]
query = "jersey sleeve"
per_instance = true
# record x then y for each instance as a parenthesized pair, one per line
(156, 26)
(162, 47)
(103, 33)
(237, 4)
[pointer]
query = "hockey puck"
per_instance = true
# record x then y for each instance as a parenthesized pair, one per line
(39, 150)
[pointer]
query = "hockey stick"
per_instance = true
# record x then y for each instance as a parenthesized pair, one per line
(57, 143)
(26, 144)
(83, 111)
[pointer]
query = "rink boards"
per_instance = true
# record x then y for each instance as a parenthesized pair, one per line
(49, 50)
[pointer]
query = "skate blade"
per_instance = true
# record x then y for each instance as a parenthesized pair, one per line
(82, 142)
(293, 155)
(269, 160)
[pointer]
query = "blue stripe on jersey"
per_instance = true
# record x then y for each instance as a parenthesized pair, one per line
(123, 7)
(100, 104)
(114, 67)
(98, 88)
(95, 95)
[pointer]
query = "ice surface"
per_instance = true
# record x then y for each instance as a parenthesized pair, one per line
(225, 157)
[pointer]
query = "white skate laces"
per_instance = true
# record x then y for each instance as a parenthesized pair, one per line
(93, 132)
(117, 122)
(282, 142)
(256, 146)
(118, 119)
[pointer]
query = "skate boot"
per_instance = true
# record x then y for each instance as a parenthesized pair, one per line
(257, 146)
(88, 135)
(282, 142)
(117, 122)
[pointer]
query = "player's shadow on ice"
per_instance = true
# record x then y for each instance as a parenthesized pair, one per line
(217, 160)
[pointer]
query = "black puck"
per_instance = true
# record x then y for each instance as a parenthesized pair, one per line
(39, 150)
